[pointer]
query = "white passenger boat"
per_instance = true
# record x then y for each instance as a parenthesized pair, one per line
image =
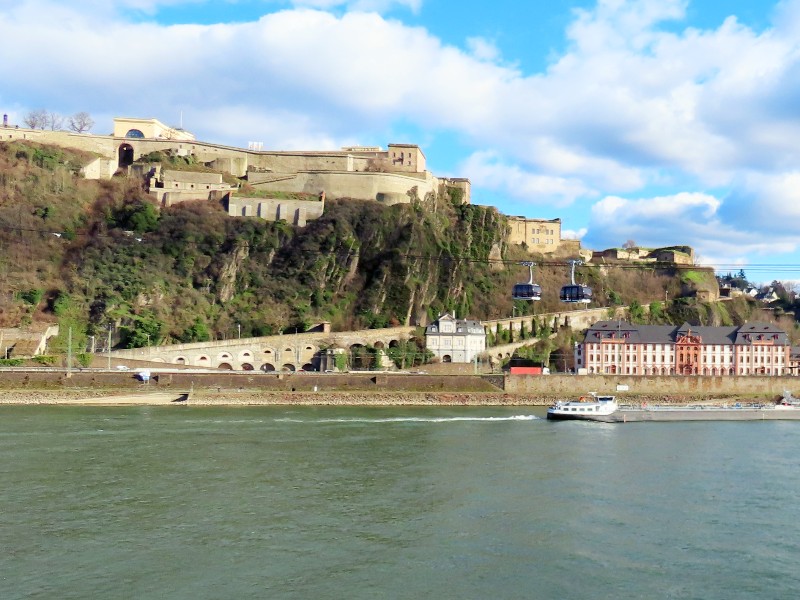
(585, 408)
(594, 407)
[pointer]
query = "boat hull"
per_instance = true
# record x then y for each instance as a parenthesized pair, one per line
(572, 417)
(632, 415)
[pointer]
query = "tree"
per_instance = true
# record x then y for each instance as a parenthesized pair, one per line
(81, 122)
(629, 245)
(55, 121)
(36, 119)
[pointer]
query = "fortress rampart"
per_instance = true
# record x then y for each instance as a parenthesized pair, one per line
(387, 176)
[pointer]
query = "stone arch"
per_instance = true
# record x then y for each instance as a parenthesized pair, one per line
(288, 367)
(224, 356)
(225, 367)
(203, 361)
(379, 345)
(360, 357)
(135, 134)
(267, 368)
(447, 358)
(245, 355)
(125, 156)
(308, 367)
(247, 367)
(180, 360)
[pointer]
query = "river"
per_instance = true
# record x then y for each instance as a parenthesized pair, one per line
(338, 502)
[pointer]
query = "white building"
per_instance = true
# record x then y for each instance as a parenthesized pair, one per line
(455, 340)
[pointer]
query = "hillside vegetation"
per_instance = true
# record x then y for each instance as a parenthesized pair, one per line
(100, 256)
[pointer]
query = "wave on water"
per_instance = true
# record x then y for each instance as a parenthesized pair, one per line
(410, 419)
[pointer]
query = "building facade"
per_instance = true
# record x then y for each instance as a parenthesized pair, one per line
(539, 235)
(617, 347)
(149, 129)
(455, 340)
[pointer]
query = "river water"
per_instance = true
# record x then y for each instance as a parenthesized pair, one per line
(332, 503)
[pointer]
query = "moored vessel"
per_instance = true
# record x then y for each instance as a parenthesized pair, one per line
(607, 410)
(590, 407)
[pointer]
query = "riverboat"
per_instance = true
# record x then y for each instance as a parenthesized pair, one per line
(606, 409)
(589, 407)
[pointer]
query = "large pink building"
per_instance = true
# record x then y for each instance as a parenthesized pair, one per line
(617, 347)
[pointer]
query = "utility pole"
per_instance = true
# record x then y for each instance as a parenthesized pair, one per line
(109, 347)
(69, 349)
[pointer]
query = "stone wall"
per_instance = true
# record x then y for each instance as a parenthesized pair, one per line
(294, 350)
(573, 386)
(387, 188)
(297, 212)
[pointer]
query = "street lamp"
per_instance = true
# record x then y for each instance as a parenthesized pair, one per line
(513, 311)
(239, 328)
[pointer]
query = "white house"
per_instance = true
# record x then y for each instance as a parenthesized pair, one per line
(455, 340)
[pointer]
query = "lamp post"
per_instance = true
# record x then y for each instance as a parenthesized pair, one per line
(239, 330)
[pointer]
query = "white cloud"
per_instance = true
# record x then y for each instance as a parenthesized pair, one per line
(483, 49)
(486, 170)
(693, 219)
(576, 234)
(360, 5)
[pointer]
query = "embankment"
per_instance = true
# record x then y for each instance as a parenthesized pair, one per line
(238, 388)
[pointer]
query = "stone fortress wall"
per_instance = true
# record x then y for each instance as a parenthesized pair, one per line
(388, 176)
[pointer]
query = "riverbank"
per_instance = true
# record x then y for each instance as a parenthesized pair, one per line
(254, 397)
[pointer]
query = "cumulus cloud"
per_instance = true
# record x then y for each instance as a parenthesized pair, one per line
(486, 170)
(685, 218)
(360, 5)
(573, 234)
(483, 49)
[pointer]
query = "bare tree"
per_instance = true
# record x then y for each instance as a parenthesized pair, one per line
(36, 119)
(629, 245)
(54, 121)
(80, 122)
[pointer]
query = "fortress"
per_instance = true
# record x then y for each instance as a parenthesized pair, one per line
(391, 176)
(288, 185)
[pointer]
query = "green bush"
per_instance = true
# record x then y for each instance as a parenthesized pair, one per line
(45, 360)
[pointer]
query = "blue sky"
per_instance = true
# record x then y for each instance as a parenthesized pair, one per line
(658, 121)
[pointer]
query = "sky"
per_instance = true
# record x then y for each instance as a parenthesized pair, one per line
(660, 122)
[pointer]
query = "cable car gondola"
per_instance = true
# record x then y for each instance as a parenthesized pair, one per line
(527, 291)
(575, 293)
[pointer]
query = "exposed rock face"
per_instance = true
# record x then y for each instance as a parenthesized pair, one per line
(226, 287)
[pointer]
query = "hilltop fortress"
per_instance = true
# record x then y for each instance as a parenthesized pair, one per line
(287, 185)
(389, 176)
